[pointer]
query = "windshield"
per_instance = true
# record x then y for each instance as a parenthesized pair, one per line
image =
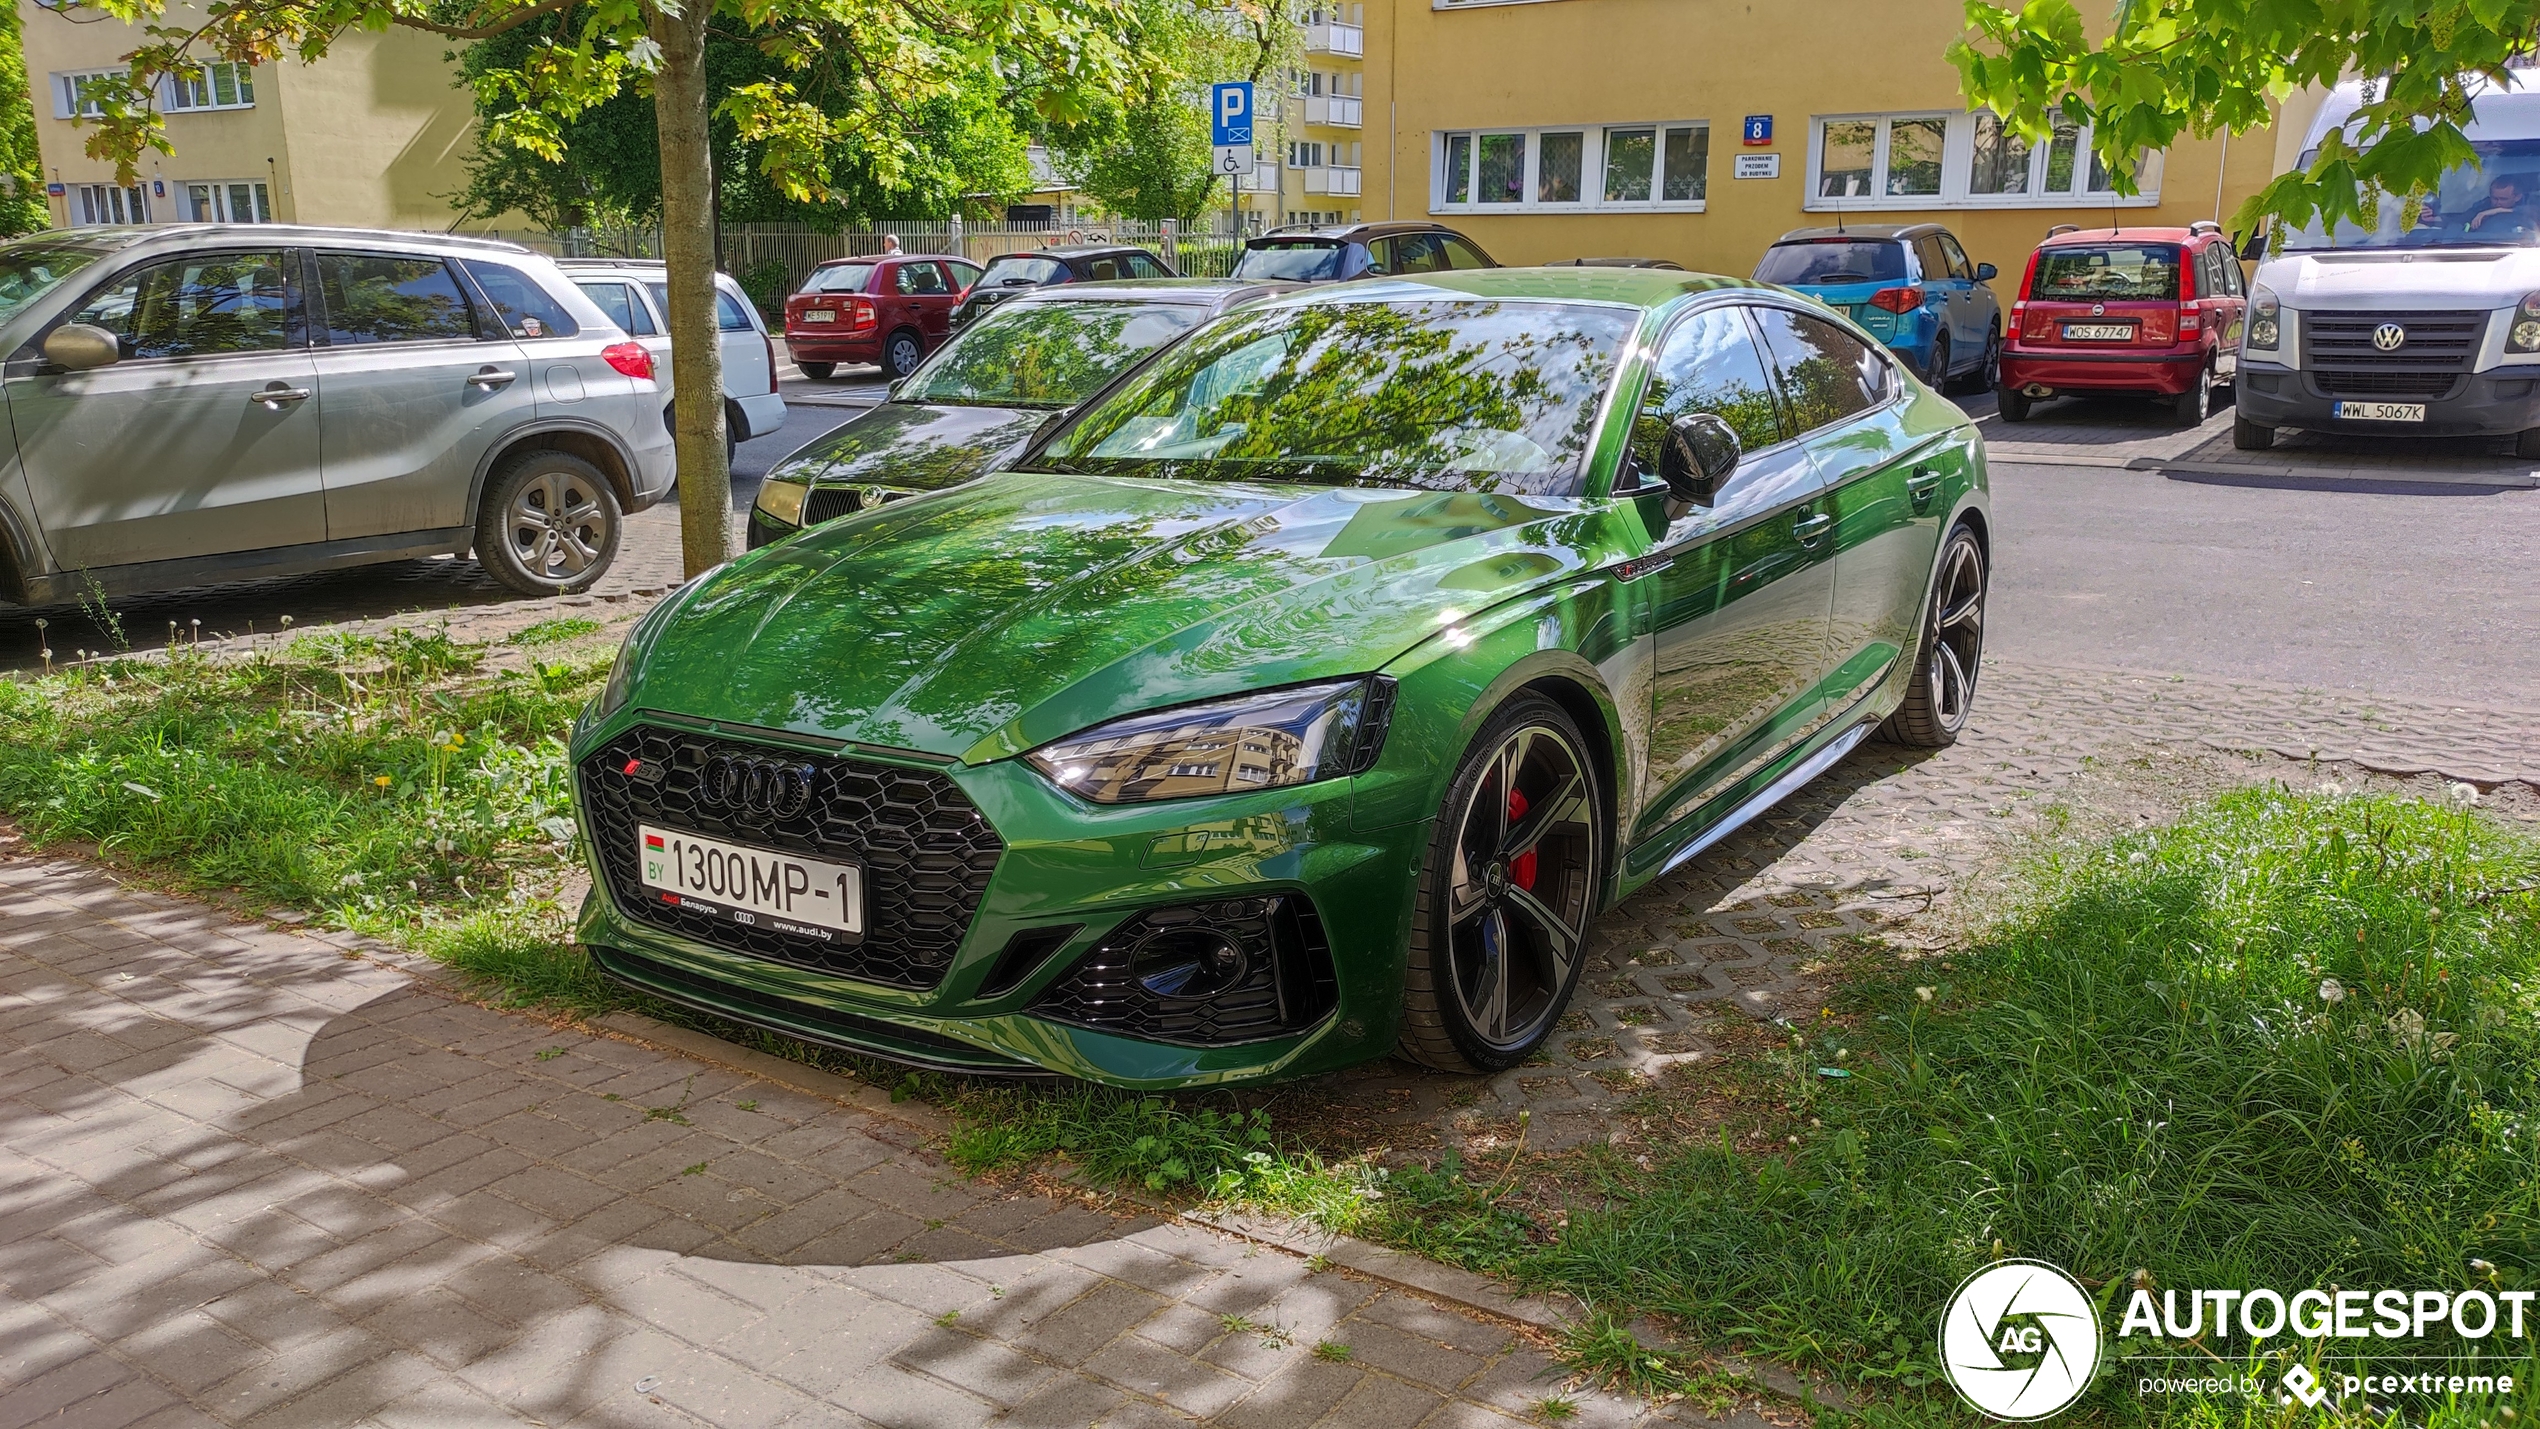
(840, 278)
(2119, 270)
(1020, 268)
(30, 270)
(1450, 394)
(1833, 260)
(2495, 200)
(1044, 354)
(1302, 261)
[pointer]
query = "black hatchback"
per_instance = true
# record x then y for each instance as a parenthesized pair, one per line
(1012, 273)
(1340, 252)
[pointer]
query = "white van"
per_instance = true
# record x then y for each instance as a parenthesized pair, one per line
(2432, 329)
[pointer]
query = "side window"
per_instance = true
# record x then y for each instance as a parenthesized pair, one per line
(1106, 269)
(1419, 253)
(1460, 254)
(1380, 257)
(1141, 266)
(622, 306)
(524, 308)
(391, 297)
(645, 326)
(1707, 363)
(2233, 282)
(196, 307)
(963, 274)
(1935, 262)
(1959, 267)
(730, 315)
(1826, 373)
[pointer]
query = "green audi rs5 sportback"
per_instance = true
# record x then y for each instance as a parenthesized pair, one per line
(1303, 696)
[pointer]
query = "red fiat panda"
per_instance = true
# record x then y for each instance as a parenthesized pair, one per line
(2148, 310)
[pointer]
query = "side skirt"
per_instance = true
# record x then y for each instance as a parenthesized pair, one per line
(249, 565)
(1790, 781)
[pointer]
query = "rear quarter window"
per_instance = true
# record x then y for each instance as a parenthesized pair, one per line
(525, 309)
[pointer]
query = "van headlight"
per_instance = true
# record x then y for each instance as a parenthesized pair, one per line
(782, 501)
(2266, 321)
(1260, 741)
(2524, 336)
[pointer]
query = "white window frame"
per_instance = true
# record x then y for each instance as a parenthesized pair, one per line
(65, 85)
(1957, 168)
(221, 213)
(1593, 143)
(173, 92)
(81, 203)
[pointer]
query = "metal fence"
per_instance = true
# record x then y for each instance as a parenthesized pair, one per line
(755, 252)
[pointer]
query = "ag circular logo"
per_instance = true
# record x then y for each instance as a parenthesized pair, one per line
(2020, 1340)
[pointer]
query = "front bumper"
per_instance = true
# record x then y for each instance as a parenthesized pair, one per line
(1010, 995)
(2492, 403)
(2166, 371)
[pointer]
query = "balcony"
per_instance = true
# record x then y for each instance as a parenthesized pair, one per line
(1264, 179)
(1341, 111)
(1330, 37)
(1332, 179)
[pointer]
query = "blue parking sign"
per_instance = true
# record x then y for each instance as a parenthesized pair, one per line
(1759, 129)
(1230, 113)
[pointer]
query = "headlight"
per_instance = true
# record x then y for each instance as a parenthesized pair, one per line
(2524, 335)
(2266, 328)
(782, 501)
(1263, 741)
(621, 678)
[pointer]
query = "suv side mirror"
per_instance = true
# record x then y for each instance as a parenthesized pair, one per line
(1986, 272)
(81, 346)
(1697, 454)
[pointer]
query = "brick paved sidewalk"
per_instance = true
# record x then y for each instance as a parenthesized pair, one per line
(245, 1179)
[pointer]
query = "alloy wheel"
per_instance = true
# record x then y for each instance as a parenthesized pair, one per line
(1957, 634)
(1522, 886)
(557, 526)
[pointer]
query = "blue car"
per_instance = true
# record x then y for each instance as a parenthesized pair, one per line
(1909, 285)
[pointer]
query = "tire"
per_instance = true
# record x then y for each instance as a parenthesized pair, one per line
(2191, 407)
(1981, 376)
(1952, 651)
(548, 525)
(901, 352)
(2012, 403)
(1482, 989)
(2527, 444)
(2249, 436)
(1938, 377)
(816, 371)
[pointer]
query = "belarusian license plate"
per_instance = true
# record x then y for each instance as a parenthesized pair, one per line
(2098, 332)
(820, 315)
(755, 886)
(2382, 411)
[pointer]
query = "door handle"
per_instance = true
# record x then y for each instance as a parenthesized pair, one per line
(274, 397)
(491, 379)
(1810, 528)
(1922, 484)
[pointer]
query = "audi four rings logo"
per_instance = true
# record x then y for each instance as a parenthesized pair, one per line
(2388, 336)
(764, 785)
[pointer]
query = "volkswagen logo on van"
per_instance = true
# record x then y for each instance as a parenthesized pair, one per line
(2389, 336)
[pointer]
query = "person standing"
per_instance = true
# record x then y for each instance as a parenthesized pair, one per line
(890, 245)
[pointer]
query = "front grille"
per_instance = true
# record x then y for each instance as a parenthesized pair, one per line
(925, 849)
(2339, 352)
(1129, 983)
(828, 503)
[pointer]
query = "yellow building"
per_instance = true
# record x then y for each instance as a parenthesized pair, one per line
(1701, 130)
(373, 135)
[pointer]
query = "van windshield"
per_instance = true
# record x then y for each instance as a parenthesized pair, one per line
(2491, 202)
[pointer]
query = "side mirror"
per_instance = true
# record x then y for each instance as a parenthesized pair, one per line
(81, 346)
(1697, 454)
(1986, 272)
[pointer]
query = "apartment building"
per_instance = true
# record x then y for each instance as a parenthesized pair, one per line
(1701, 130)
(1316, 145)
(373, 135)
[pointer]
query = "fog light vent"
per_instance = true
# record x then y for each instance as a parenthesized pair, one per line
(1203, 974)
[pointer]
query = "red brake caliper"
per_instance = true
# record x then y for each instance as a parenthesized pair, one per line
(1521, 869)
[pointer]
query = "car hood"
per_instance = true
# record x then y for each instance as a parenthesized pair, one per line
(984, 621)
(2403, 279)
(914, 446)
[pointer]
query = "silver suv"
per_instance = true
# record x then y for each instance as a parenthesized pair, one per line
(200, 403)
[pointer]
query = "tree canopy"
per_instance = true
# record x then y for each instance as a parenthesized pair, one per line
(2201, 67)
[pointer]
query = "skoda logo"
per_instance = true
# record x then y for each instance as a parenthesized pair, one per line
(766, 786)
(2020, 1340)
(2388, 336)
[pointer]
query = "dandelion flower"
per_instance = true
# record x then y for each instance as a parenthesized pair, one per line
(383, 781)
(1926, 993)
(2331, 990)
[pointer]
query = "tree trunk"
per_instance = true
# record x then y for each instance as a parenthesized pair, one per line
(687, 238)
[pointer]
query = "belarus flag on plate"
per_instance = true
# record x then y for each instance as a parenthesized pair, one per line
(652, 841)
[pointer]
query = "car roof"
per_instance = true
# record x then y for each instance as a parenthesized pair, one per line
(1349, 232)
(1072, 250)
(2145, 233)
(1180, 292)
(1634, 287)
(894, 258)
(1870, 231)
(282, 233)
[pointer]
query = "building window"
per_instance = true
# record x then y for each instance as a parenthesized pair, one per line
(92, 205)
(221, 85)
(1612, 166)
(228, 201)
(75, 94)
(1921, 161)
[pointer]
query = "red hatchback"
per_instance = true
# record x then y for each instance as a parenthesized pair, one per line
(888, 310)
(2154, 311)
